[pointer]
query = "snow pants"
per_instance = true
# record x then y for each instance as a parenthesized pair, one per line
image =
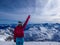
(19, 41)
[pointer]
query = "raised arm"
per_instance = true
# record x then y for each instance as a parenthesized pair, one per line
(24, 25)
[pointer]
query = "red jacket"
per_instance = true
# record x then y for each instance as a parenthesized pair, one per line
(19, 30)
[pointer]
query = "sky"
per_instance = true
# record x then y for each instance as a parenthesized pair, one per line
(41, 11)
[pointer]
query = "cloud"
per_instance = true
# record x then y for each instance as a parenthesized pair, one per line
(11, 10)
(50, 12)
(40, 10)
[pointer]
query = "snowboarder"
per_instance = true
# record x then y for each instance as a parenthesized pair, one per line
(19, 32)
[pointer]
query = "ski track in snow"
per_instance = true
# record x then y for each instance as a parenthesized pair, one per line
(30, 43)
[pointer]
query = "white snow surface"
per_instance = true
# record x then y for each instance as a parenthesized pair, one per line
(30, 43)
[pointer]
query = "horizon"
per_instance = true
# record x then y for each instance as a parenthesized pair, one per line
(30, 23)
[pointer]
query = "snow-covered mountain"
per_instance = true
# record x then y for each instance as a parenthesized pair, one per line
(33, 32)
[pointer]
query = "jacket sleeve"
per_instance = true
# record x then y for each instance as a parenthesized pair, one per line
(24, 25)
(14, 36)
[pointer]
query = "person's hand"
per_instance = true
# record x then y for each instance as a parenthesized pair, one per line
(14, 40)
(29, 16)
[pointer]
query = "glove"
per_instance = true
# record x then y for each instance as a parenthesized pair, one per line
(14, 40)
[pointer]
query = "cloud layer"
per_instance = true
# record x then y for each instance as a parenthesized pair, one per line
(41, 11)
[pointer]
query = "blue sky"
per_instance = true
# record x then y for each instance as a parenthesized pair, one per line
(11, 11)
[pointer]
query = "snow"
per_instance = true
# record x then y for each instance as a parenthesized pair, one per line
(33, 33)
(30, 43)
(2, 37)
(43, 29)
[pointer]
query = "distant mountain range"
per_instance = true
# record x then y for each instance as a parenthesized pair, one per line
(33, 32)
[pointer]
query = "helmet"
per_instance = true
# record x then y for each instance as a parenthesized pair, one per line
(19, 22)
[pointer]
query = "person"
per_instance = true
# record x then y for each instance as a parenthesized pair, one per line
(19, 32)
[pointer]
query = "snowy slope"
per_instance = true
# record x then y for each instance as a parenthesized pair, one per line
(31, 43)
